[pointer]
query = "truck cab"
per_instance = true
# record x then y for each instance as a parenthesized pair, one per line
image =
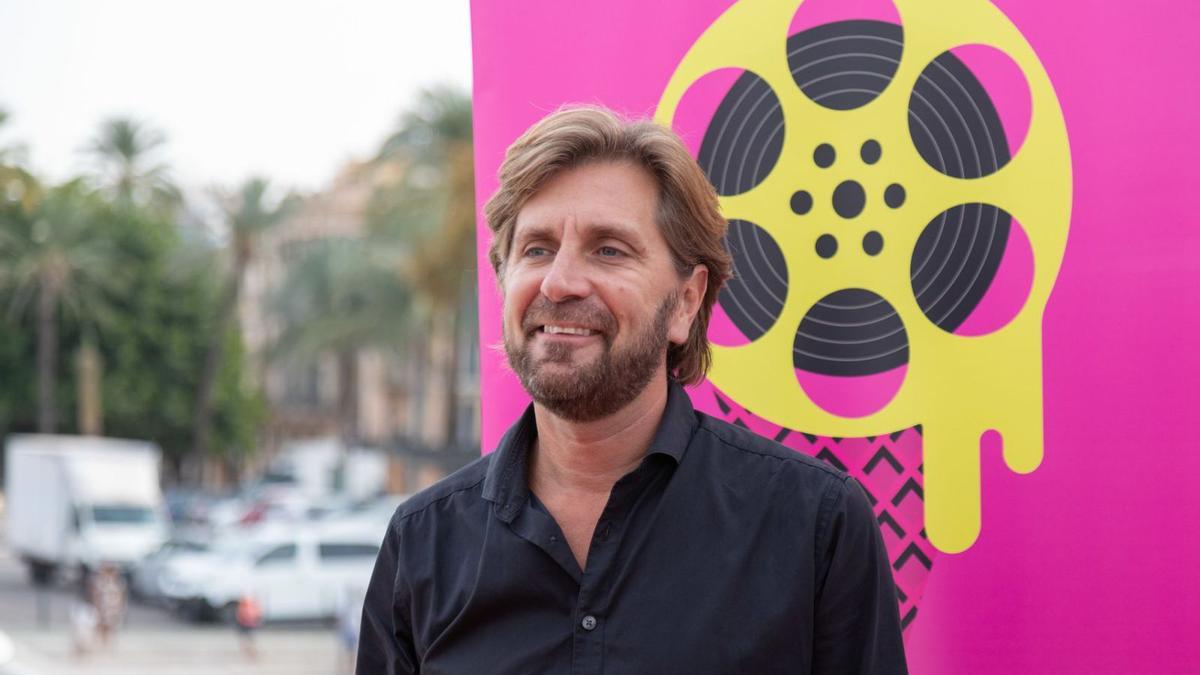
(115, 532)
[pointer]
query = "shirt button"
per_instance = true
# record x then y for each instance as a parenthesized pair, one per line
(589, 622)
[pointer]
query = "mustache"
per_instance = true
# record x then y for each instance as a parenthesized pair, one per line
(579, 312)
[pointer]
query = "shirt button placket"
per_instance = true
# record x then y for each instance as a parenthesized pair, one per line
(588, 657)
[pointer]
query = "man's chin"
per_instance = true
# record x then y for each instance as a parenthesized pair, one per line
(565, 360)
(565, 400)
(557, 383)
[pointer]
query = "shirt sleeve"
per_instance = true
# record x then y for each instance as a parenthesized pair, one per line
(385, 643)
(857, 618)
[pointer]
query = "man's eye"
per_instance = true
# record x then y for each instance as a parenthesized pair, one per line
(536, 252)
(610, 252)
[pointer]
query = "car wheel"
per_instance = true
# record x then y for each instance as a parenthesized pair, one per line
(40, 573)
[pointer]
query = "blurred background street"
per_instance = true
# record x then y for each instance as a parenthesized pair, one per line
(238, 321)
(152, 640)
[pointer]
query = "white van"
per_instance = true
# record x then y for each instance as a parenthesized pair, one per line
(293, 573)
(75, 502)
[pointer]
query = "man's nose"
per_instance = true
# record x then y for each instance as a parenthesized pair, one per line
(566, 278)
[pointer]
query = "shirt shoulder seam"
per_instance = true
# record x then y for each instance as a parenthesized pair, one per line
(841, 476)
(398, 517)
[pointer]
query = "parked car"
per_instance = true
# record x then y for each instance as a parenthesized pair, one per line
(256, 506)
(146, 583)
(295, 572)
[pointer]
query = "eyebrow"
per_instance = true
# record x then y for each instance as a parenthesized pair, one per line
(532, 233)
(625, 233)
(603, 230)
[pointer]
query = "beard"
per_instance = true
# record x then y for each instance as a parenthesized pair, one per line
(601, 387)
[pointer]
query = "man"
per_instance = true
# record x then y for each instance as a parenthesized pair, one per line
(614, 529)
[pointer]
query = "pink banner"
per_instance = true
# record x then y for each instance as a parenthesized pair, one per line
(966, 273)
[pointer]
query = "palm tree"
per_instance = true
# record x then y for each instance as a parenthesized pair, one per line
(341, 297)
(56, 258)
(430, 216)
(127, 171)
(248, 216)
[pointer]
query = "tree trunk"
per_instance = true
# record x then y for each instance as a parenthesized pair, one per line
(172, 469)
(47, 357)
(347, 364)
(202, 431)
(89, 406)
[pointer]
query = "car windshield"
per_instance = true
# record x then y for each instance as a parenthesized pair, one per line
(177, 546)
(122, 515)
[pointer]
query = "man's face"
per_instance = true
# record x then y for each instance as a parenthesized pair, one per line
(591, 295)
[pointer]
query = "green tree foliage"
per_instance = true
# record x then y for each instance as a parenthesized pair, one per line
(154, 356)
(410, 282)
(248, 216)
(152, 341)
(340, 297)
(126, 277)
(52, 258)
(429, 214)
(427, 220)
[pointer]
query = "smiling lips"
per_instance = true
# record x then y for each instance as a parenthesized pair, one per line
(570, 318)
(567, 330)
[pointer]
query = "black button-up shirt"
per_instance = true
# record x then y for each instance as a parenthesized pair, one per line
(723, 552)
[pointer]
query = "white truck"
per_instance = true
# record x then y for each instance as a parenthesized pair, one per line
(75, 502)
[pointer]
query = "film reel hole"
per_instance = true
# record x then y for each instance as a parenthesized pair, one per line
(750, 302)
(730, 119)
(843, 53)
(969, 111)
(851, 352)
(972, 269)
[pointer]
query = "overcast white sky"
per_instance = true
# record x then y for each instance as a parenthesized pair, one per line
(289, 89)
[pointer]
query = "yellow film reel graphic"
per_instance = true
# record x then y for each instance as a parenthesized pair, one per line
(893, 248)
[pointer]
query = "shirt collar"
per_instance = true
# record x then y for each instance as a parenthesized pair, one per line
(677, 426)
(506, 482)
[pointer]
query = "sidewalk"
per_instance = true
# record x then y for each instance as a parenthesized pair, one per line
(196, 651)
(152, 641)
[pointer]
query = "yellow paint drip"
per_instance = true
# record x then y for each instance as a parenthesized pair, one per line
(956, 387)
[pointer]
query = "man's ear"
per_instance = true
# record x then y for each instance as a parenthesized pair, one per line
(691, 295)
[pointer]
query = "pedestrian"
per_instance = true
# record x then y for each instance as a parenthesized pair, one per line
(83, 626)
(614, 528)
(248, 618)
(108, 597)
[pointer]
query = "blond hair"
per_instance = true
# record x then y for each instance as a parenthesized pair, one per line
(689, 215)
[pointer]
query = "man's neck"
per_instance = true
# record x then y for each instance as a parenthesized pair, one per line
(591, 456)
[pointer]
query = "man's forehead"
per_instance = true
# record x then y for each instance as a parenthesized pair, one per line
(596, 199)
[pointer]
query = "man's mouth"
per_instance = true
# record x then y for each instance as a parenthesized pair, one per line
(571, 321)
(553, 329)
